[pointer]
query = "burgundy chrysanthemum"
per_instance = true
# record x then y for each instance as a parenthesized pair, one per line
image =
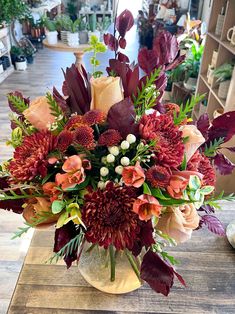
(83, 135)
(110, 137)
(158, 176)
(169, 148)
(30, 159)
(94, 117)
(74, 122)
(202, 164)
(65, 139)
(109, 218)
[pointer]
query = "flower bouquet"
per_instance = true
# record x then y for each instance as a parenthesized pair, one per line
(118, 173)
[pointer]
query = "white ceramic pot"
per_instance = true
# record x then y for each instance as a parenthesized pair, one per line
(52, 38)
(21, 66)
(1, 69)
(223, 89)
(73, 39)
(191, 83)
(64, 37)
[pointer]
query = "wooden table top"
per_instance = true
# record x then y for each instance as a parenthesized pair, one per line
(60, 46)
(207, 265)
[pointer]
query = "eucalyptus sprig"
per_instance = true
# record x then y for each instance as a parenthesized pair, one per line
(96, 47)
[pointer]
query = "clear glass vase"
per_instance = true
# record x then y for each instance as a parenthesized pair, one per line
(94, 266)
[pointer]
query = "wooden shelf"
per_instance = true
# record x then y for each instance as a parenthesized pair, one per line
(220, 100)
(4, 53)
(6, 73)
(5, 38)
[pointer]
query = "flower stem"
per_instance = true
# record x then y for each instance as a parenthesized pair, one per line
(112, 262)
(133, 263)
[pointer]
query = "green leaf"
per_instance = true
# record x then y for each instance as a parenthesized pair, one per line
(211, 149)
(184, 163)
(17, 103)
(194, 183)
(170, 258)
(174, 202)
(156, 192)
(57, 207)
(62, 219)
(146, 189)
(93, 40)
(206, 190)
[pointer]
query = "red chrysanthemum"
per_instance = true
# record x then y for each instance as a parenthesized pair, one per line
(65, 139)
(172, 108)
(158, 176)
(30, 159)
(109, 217)
(94, 117)
(169, 148)
(74, 122)
(83, 135)
(202, 164)
(110, 137)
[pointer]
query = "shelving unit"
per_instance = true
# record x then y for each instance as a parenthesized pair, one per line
(5, 39)
(226, 52)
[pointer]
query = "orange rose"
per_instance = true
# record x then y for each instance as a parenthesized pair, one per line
(177, 186)
(147, 206)
(179, 222)
(35, 209)
(74, 173)
(39, 114)
(133, 175)
(50, 188)
(194, 141)
(105, 92)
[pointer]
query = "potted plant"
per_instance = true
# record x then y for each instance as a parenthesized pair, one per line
(15, 53)
(192, 66)
(224, 75)
(83, 32)
(29, 54)
(21, 64)
(73, 37)
(51, 33)
(62, 22)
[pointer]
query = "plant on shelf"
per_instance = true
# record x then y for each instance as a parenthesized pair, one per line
(11, 10)
(16, 52)
(29, 54)
(52, 34)
(224, 75)
(83, 31)
(72, 27)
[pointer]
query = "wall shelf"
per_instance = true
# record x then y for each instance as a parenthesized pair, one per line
(5, 38)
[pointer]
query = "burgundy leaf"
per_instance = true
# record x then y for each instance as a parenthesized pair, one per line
(144, 238)
(78, 90)
(124, 22)
(123, 58)
(213, 224)
(207, 209)
(19, 95)
(148, 60)
(62, 236)
(121, 117)
(61, 101)
(223, 126)
(175, 63)
(166, 47)
(223, 164)
(231, 149)
(13, 205)
(122, 43)
(203, 125)
(111, 42)
(158, 273)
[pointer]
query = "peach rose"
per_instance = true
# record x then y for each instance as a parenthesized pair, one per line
(147, 206)
(133, 175)
(194, 141)
(50, 188)
(177, 186)
(105, 92)
(35, 209)
(74, 173)
(39, 114)
(179, 222)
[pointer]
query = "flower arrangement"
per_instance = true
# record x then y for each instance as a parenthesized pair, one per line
(109, 164)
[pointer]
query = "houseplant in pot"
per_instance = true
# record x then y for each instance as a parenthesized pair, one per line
(62, 22)
(29, 54)
(224, 75)
(73, 36)
(51, 33)
(21, 63)
(83, 32)
(15, 52)
(117, 181)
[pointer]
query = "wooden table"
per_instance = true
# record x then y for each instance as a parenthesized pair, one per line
(207, 265)
(78, 52)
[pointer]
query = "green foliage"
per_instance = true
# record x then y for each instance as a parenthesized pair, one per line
(72, 26)
(68, 249)
(224, 72)
(147, 95)
(57, 206)
(96, 47)
(50, 25)
(213, 202)
(192, 64)
(22, 192)
(12, 9)
(185, 110)
(17, 102)
(57, 112)
(16, 137)
(25, 126)
(210, 151)
(17, 51)
(177, 74)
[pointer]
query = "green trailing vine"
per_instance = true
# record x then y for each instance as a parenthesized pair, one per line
(17, 102)
(68, 249)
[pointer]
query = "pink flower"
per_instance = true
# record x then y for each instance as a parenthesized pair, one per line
(147, 206)
(177, 186)
(179, 222)
(50, 188)
(74, 173)
(133, 175)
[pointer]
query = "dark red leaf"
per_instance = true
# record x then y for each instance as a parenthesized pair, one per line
(203, 125)
(175, 63)
(111, 42)
(213, 224)
(61, 101)
(158, 273)
(223, 126)
(223, 164)
(13, 205)
(148, 60)
(207, 209)
(124, 22)
(122, 43)
(231, 149)
(19, 95)
(123, 58)
(121, 117)
(144, 238)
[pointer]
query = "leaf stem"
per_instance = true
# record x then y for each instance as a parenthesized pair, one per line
(112, 262)
(133, 263)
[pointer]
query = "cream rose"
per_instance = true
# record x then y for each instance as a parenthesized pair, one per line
(194, 141)
(179, 222)
(105, 92)
(39, 114)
